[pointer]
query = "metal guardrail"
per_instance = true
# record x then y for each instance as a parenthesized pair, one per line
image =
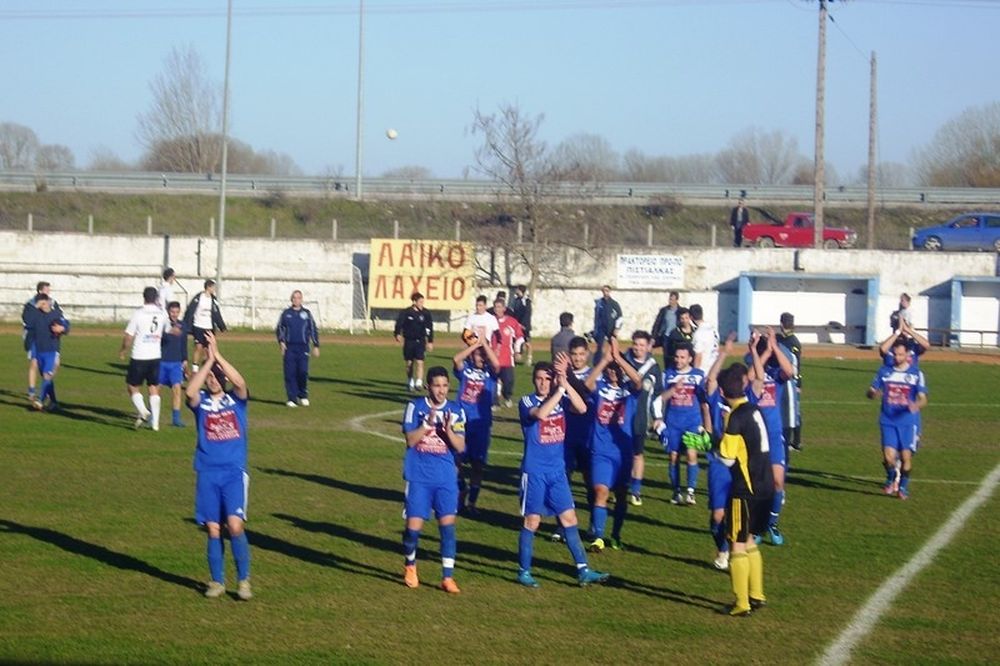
(615, 192)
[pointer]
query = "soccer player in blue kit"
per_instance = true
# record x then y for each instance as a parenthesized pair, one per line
(220, 463)
(904, 393)
(684, 398)
(173, 359)
(44, 326)
(434, 427)
(772, 366)
(544, 484)
(576, 449)
(476, 368)
(611, 445)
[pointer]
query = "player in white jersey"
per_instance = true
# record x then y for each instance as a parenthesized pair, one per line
(144, 335)
(705, 341)
(166, 295)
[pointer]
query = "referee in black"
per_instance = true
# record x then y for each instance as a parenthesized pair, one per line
(415, 327)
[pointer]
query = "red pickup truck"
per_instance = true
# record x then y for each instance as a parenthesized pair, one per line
(796, 230)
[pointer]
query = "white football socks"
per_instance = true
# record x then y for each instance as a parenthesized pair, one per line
(154, 407)
(140, 405)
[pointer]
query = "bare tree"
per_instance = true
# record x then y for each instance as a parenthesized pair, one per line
(18, 146)
(965, 151)
(586, 158)
(803, 173)
(408, 172)
(103, 158)
(887, 174)
(513, 155)
(757, 157)
(54, 157)
(180, 129)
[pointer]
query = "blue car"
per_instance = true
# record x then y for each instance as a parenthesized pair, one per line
(969, 231)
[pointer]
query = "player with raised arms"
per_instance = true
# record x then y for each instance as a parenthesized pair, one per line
(771, 365)
(904, 393)
(434, 427)
(220, 464)
(476, 368)
(611, 447)
(684, 399)
(544, 484)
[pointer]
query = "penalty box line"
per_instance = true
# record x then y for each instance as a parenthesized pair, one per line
(839, 652)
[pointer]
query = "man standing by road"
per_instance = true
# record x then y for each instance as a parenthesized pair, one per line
(739, 217)
(296, 329)
(415, 327)
(144, 334)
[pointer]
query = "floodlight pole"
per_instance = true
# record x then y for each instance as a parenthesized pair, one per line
(358, 185)
(225, 150)
(872, 125)
(819, 168)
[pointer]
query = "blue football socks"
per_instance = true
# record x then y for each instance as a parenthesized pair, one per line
(619, 518)
(598, 519)
(675, 476)
(215, 565)
(449, 548)
(718, 531)
(410, 538)
(575, 546)
(635, 486)
(692, 475)
(241, 555)
(526, 547)
(776, 502)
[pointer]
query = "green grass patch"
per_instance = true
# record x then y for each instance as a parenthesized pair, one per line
(101, 563)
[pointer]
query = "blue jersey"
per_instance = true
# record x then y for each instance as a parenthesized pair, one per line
(899, 388)
(770, 400)
(173, 344)
(578, 425)
(476, 389)
(38, 328)
(716, 403)
(431, 460)
(543, 438)
(296, 328)
(614, 411)
(222, 432)
(683, 409)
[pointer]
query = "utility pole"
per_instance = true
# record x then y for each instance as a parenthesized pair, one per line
(872, 120)
(818, 170)
(225, 150)
(358, 191)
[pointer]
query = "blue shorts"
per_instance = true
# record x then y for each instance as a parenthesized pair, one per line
(776, 440)
(900, 437)
(672, 438)
(545, 493)
(477, 440)
(171, 372)
(611, 470)
(221, 493)
(422, 497)
(47, 361)
(719, 482)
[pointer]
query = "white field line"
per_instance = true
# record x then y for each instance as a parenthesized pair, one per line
(881, 601)
(854, 403)
(357, 424)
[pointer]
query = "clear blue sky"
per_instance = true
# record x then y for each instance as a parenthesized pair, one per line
(667, 77)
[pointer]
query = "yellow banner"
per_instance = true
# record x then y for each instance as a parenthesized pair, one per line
(443, 271)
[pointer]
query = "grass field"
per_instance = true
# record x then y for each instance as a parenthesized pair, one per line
(100, 561)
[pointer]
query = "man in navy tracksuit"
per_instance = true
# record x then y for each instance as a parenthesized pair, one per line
(296, 328)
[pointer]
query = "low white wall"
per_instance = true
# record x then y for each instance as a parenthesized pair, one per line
(100, 278)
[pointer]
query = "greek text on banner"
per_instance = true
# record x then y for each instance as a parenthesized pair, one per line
(650, 271)
(443, 271)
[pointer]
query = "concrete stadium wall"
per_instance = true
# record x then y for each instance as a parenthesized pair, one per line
(99, 279)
